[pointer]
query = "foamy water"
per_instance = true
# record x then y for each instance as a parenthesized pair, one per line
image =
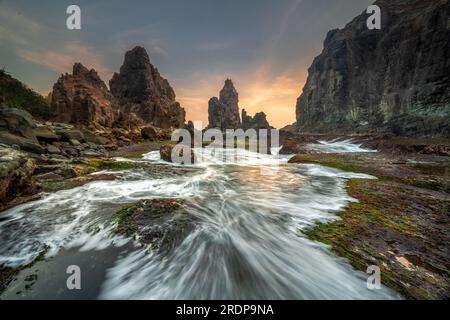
(338, 146)
(250, 211)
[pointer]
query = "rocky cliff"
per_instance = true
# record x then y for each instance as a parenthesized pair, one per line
(140, 90)
(391, 80)
(223, 112)
(83, 98)
(259, 121)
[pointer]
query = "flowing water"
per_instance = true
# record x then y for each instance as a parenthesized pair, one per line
(336, 145)
(247, 244)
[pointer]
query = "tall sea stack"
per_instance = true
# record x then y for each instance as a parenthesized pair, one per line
(223, 112)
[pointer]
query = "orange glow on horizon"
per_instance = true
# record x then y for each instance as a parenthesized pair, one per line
(275, 97)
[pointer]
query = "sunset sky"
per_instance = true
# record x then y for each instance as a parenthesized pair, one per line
(265, 46)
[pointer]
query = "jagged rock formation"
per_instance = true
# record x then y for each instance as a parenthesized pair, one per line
(259, 121)
(83, 98)
(223, 112)
(140, 90)
(391, 80)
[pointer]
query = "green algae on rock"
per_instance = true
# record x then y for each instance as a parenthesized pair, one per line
(162, 224)
(400, 223)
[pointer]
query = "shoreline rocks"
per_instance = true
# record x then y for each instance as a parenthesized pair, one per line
(399, 223)
(161, 224)
(16, 170)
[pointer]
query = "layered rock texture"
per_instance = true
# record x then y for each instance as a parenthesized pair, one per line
(223, 112)
(391, 80)
(259, 121)
(16, 169)
(83, 98)
(141, 91)
(138, 96)
(17, 128)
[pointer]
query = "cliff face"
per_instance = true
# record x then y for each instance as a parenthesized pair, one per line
(391, 80)
(140, 90)
(83, 98)
(223, 112)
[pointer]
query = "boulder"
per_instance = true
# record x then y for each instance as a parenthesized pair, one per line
(16, 169)
(89, 136)
(23, 143)
(45, 134)
(52, 149)
(149, 133)
(17, 128)
(165, 152)
(72, 134)
(161, 224)
(74, 142)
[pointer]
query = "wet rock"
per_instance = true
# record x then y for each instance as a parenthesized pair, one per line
(166, 152)
(162, 224)
(407, 237)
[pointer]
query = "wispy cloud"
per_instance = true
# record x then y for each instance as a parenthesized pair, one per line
(33, 42)
(17, 28)
(62, 61)
(143, 35)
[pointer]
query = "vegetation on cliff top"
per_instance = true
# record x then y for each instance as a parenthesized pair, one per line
(17, 95)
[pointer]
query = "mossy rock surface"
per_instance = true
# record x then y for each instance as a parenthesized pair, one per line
(399, 227)
(399, 223)
(162, 224)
